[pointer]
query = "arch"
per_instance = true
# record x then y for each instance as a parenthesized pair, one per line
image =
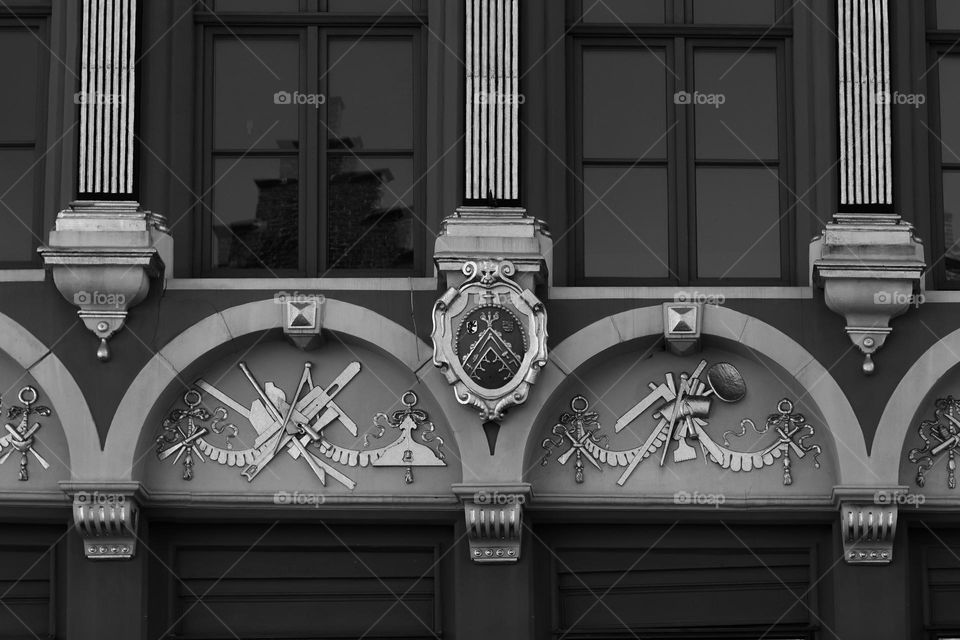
(903, 405)
(230, 324)
(732, 326)
(63, 394)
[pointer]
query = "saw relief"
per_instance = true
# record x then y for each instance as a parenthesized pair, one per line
(294, 428)
(680, 412)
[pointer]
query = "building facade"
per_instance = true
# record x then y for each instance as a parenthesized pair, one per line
(479, 318)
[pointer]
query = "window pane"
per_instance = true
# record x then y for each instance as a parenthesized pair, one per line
(370, 217)
(735, 97)
(257, 220)
(17, 211)
(627, 11)
(948, 14)
(949, 69)
(257, 6)
(734, 11)
(255, 80)
(951, 222)
(19, 81)
(375, 6)
(624, 104)
(370, 91)
(738, 228)
(626, 235)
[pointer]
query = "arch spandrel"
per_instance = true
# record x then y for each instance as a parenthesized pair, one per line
(615, 385)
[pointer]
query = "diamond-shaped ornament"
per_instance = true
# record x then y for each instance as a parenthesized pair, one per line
(681, 327)
(301, 321)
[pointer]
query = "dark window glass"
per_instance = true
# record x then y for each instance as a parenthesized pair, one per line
(738, 229)
(951, 222)
(948, 14)
(626, 222)
(256, 223)
(736, 110)
(949, 69)
(624, 104)
(370, 223)
(734, 11)
(17, 206)
(20, 168)
(376, 6)
(626, 11)
(370, 94)
(256, 6)
(255, 80)
(19, 82)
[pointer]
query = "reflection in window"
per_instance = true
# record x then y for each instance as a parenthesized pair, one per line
(625, 11)
(269, 213)
(257, 205)
(19, 165)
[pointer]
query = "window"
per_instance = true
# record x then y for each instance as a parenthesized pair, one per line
(682, 149)
(943, 83)
(312, 138)
(21, 129)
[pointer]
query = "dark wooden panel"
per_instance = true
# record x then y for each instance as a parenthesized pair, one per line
(303, 583)
(27, 582)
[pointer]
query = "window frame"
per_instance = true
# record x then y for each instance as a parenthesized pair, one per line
(314, 28)
(36, 20)
(682, 39)
(939, 44)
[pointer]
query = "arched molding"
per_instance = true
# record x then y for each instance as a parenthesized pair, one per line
(728, 326)
(62, 393)
(899, 415)
(193, 344)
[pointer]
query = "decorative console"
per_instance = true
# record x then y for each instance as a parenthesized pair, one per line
(103, 255)
(870, 267)
(868, 522)
(494, 519)
(107, 517)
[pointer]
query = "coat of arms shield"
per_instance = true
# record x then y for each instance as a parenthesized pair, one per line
(490, 338)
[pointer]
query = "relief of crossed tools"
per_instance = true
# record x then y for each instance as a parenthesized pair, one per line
(292, 429)
(20, 438)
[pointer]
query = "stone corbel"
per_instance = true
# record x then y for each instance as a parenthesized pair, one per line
(494, 518)
(473, 234)
(868, 523)
(103, 255)
(107, 517)
(870, 267)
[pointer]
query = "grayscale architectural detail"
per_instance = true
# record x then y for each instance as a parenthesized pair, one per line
(302, 318)
(682, 411)
(681, 327)
(494, 520)
(107, 98)
(493, 100)
(868, 523)
(941, 437)
(866, 167)
(21, 437)
(490, 338)
(107, 518)
(870, 267)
